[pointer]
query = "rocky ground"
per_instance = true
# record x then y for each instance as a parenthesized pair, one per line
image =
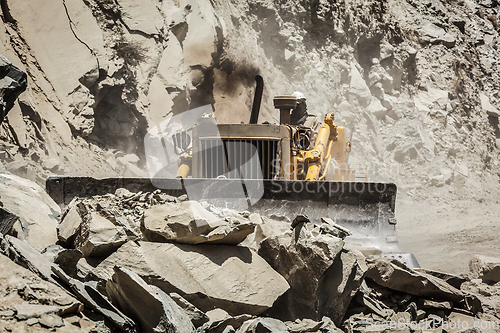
(152, 262)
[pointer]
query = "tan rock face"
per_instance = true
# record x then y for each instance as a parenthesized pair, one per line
(46, 29)
(229, 277)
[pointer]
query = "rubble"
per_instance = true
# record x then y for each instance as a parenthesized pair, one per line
(91, 298)
(303, 272)
(115, 69)
(25, 298)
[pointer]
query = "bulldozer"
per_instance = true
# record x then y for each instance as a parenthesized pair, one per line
(281, 169)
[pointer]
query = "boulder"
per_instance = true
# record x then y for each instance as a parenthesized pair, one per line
(154, 310)
(51, 321)
(26, 310)
(197, 317)
(7, 221)
(485, 268)
(431, 33)
(488, 107)
(99, 237)
(70, 222)
(264, 227)
(264, 325)
(13, 82)
(67, 259)
(37, 212)
(377, 109)
(386, 50)
(171, 70)
(94, 300)
(189, 223)
(25, 255)
(200, 42)
(233, 278)
(323, 278)
(223, 322)
(395, 275)
(339, 284)
(358, 87)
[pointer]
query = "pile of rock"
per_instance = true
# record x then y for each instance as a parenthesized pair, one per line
(150, 262)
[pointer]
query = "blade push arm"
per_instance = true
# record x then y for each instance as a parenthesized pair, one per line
(327, 134)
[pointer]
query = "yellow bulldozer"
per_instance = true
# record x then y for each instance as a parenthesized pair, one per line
(281, 169)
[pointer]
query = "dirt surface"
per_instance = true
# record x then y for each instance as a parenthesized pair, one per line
(444, 235)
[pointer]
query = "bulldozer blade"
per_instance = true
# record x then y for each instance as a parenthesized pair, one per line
(367, 209)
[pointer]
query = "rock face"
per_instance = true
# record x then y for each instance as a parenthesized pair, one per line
(323, 278)
(189, 223)
(13, 82)
(230, 277)
(485, 268)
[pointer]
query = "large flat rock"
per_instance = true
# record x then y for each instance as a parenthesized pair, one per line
(233, 278)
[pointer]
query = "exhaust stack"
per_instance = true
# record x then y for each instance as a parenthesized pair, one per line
(254, 117)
